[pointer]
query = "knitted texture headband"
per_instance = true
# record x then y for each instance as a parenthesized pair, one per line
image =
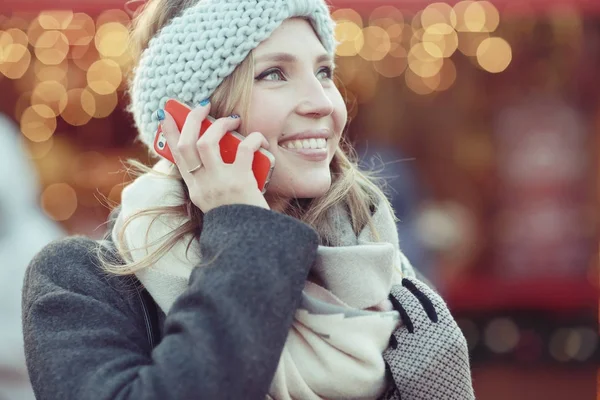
(192, 55)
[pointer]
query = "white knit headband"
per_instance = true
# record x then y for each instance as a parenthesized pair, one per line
(191, 55)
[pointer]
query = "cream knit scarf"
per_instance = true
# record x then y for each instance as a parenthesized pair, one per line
(335, 345)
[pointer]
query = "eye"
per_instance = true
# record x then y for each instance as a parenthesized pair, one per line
(273, 74)
(325, 73)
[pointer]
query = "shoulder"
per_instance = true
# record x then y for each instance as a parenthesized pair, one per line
(77, 247)
(70, 265)
(67, 257)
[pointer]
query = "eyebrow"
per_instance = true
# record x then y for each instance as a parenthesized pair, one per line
(290, 58)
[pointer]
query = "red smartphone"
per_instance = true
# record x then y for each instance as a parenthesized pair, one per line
(262, 165)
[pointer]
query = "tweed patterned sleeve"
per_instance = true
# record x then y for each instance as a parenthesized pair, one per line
(428, 356)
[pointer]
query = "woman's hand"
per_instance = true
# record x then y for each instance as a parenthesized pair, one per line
(212, 182)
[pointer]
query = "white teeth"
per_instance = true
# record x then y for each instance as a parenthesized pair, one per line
(306, 144)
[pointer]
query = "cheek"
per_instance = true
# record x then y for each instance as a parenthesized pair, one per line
(263, 116)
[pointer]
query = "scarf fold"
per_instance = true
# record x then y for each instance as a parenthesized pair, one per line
(334, 347)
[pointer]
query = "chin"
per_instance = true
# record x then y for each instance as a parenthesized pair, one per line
(307, 186)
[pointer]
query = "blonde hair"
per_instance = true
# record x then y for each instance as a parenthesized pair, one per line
(355, 189)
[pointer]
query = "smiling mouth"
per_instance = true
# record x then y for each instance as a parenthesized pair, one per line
(307, 149)
(305, 144)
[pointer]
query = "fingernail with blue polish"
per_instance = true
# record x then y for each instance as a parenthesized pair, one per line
(234, 116)
(160, 114)
(204, 102)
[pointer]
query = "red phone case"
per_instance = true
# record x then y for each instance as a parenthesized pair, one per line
(262, 165)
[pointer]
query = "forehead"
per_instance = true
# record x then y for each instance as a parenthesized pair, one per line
(294, 35)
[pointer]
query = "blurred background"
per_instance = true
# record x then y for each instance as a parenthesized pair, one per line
(484, 118)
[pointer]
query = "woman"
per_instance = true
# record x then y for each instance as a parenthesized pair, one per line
(301, 293)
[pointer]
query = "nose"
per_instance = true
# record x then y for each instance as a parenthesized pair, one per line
(313, 100)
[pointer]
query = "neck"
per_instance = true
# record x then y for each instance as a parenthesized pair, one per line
(277, 203)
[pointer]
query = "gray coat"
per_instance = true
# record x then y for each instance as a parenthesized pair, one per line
(86, 335)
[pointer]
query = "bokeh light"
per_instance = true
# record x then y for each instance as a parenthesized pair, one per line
(105, 103)
(52, 47)
(422, 63)
(474, 17)
(377, 43)
(104, 76)
(52, 95)
(386, 15)
(81, 30)
(492, 16)
(34, 31)
(417, 84)
(438, 13)
(392, 66)
(55, 19)
(5, 40)
(113, 15)
(12, 53)
(37, 124)
(84, 56)
(494, 54)
(395, 32)
(39, 150)
(468, 43)
(81, 107)
(388, 18)
(17, 21)
(440, 40)
(14, 60)
(347, 15)
(447, 75)
(18, 36)
(467, 17)
(350, 38)
(56, 72)
(398, 50)
(432, 82)
(112, 39)
(23, 101)
(59, 201)
(125, 60)
(416, 22)
(501, 335)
